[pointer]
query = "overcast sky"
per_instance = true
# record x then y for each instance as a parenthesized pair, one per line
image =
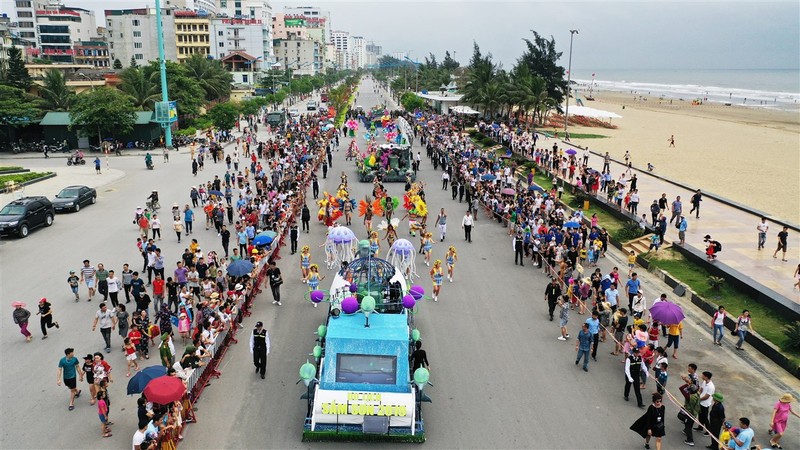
(612, 35)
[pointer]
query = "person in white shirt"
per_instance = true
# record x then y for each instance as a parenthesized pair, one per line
(718, 325)
(762, 228)
(707, 390)
(445, 180)
(155, 225)
(466, 224)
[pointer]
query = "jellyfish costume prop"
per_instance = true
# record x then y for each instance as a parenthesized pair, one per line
(402, 255)
(342, 245)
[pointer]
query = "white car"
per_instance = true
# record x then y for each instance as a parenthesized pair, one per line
(311, 106)
(294, 113)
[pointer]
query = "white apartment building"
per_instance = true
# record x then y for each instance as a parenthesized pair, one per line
(359, 52)
(132, 34)
(254, 10)
(344, 45)
(302, 57)
(53, 28)
(244, 35)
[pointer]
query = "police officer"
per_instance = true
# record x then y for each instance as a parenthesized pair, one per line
(259, 347)
(633, 370)
(551, 293)
(315, 186)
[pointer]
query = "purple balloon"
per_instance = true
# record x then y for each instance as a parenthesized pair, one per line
(417, 291)
(350, 305)
(353, 288)
(409, 301)
(317, 296)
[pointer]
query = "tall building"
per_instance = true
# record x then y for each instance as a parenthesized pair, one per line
(191, 34)
(132, 34)
(344, 47)
(9, 37)
(25, 11)
(94, 52)
(301, 56)
(254, 10)
(374, 52)
(359, 52)
(301, 32)
(53, 28)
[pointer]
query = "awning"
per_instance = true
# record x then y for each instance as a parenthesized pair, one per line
(585, 111)
(463, 109)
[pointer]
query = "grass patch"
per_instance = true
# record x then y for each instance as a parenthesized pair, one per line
(586, 136)
(9, 168)
(770, 324)
(21, 177)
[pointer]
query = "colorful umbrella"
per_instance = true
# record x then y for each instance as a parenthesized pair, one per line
(139, 381)
(164, 390)
(667, 313)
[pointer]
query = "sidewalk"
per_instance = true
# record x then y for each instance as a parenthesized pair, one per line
(733, 227)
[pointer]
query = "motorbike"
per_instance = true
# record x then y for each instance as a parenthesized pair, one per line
(149, 164)
(76, 160)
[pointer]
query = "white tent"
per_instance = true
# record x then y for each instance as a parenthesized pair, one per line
(591, 112)
(463, 109)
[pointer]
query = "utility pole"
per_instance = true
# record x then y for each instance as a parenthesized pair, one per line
(163, 73)
(572, 34)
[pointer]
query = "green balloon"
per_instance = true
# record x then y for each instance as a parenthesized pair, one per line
(421, 376)
(322, 330)
(307, 371)
(317, 352)
(368, 304)
(363, 243)
(415, 335)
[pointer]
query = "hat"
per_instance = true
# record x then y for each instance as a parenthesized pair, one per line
(215, 295)
(238, 287)
(786, 398)
(182, 315)
(255, 251)
(89, 356)
(259, 324)
(718, 397)
(42, 300)
(165, 336)
(635, 349)
(18, 304)
(727, 424)
(72, 272)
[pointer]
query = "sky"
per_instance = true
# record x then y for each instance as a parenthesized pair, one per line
(611, 35)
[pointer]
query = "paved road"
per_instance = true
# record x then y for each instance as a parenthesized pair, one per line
(501, 378)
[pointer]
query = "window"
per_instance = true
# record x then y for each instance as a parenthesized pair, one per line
(137, 45)
(24, 14)
(23, 4)
(120, 35)
(223, 3)
(138, 56)
(137, 34)
(135, 22)
(252, 13)
(244, 78)
(367, 369)
(222, 44)
(25, 24)
(54, 29)
(221, 33)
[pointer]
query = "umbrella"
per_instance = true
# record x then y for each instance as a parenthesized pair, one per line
(139, 381)
(488, 177)
(536, 188)
(217, 193)
(240, 267)
(262, 240)
(667, 313)
(571, 152)
(508, 191)
(572, 225)
(164, 390)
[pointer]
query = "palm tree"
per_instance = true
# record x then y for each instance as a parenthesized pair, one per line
(137, 85)
(55, 93)
(479, 77)
(212, 77)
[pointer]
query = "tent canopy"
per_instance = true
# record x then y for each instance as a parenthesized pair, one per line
(463, 109)
(585, 111)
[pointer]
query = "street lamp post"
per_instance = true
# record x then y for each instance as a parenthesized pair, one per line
(572, 34)
(163, 73)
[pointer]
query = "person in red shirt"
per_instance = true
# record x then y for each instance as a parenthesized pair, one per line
(158, 291)
(135, 336)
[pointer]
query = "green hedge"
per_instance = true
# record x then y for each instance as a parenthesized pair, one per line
(21, 177)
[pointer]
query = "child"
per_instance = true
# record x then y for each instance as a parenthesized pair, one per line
(652, 334)
(563, 316)
(102, 412)
(130, 355)
(655, 242)
(184, 326)
(661, 377)
(584, 253)
(631, 263)
(73, 280)
(725, 435)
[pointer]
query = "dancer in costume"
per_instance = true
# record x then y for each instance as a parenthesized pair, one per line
(305, 261)
(450, 258)
(427, 247)
(313, 278)
(374, 244)
(437, 276)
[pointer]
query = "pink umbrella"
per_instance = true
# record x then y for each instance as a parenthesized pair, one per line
(508, 191)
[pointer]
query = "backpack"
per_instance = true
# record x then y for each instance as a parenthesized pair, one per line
(717, 246)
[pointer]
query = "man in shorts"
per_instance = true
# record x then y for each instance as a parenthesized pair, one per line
(674, 335)
(68, 369)
(783, 241)
(88, 276)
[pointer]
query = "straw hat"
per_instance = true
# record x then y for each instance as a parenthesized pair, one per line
(238, 287)
(215, 295)
(787, 398)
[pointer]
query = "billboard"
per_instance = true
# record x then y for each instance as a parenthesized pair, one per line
(166, 112)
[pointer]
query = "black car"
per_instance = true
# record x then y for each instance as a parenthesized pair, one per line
(25, 214)
(72, 198)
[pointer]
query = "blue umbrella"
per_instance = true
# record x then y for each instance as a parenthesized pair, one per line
(572, 225)
(139, 381)
(536, 188)
(262, 240)
(240, 267)
(488, 177)
(213, 192)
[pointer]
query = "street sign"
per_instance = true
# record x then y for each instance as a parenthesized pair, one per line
(166, 112)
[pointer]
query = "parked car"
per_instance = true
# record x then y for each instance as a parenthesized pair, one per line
(25, 214)
(72, 198)
(311, 106)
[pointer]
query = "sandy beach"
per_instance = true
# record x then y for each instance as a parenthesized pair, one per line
(746, 154)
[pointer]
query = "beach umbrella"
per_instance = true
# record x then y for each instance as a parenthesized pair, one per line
(508, 191)
(536, 188)
(214, 192)
(667, 313)
(488, 177)
(262, 239)
(571, 152)
(139, 381)
(572, 225)
(240, 267)
(164, 390)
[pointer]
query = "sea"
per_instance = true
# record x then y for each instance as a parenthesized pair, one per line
(757, 88)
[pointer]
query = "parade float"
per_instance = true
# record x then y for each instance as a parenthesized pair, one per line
(359, 386)
(388, 153)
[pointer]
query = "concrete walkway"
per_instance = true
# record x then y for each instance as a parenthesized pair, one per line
(733, 227)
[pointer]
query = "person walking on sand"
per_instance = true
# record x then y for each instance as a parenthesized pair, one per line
(762, 228)
(783, 238)
(21, 316)
(671, 141)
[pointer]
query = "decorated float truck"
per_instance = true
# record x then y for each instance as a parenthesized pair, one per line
(359, 386)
